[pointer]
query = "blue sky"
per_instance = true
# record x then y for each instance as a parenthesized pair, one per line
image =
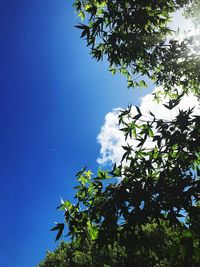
(53, 101)
(52, 105)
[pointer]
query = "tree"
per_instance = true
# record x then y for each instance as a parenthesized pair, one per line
(135, 38)
(160, 246)
(159, 183)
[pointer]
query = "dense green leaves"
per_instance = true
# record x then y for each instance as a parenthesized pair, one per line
(159, 180)
(146, 210)
(154, 245)
(135, 38)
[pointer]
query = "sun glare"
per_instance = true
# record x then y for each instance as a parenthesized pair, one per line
(185, 28)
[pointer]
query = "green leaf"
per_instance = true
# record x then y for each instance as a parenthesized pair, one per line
(187, 233)
(142, 83)
(83, 180)
(81, 15)
(65, 206)
(59, 227)
(81, 172)
(113, 71)
(93, 231)
(130, 83)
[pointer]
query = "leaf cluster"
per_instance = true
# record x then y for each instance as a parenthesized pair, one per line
(134, 36)
(159, 183)
(154, 245)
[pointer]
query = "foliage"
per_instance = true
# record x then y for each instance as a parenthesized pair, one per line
(58, 258)
(156, 245)
(147, 209)
(160, 183)
(84, 254)
(135, 38)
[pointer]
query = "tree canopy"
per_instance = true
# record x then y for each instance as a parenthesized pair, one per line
(160, 246)
(149, 204)
(135, 38)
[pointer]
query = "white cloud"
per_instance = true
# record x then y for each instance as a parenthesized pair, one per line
(111, 139)
(148, 104)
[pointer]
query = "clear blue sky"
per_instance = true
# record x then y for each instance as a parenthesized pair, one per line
(53, 99)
